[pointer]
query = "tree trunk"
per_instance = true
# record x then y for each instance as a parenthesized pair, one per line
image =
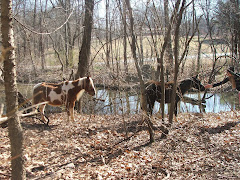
(125, 39)
(167, 38)
(14, 126)
(107, 35)
(84, 54)
(142, 86)
(169, 54)
(176, 61)
(68, 36)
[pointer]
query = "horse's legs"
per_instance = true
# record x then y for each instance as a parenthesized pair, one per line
(41, 109)
(70, 110)
(175, 110)
(150, 103)
(239, 96)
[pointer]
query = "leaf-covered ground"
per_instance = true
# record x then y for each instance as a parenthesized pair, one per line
(198, 146)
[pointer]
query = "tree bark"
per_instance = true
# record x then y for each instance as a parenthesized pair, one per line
(84, 54)
(125, 39)
(169, 54)
(14, 126)
(176, 59)
(167, 38)
(107, 35)
(142, 85)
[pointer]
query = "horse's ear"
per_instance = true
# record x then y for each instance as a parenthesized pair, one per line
(88, 79)
(88, 75)
(196, 76)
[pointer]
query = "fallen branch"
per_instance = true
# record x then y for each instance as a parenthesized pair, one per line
(3, 119)
(33, 106)
(192, 101)
(29, 114)
(20, 114)
(97, 99)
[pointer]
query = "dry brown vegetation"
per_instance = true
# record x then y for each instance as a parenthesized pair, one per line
(199, 146)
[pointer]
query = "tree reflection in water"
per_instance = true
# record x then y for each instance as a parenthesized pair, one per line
(125, 102)
(129, 103)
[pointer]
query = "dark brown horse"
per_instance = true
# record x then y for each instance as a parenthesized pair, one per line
(153, 91)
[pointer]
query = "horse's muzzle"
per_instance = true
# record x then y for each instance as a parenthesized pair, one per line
(92, 93)
(202, 88)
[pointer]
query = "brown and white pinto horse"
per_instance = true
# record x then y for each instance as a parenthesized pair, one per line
(65, 93)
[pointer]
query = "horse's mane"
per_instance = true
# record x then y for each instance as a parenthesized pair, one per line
(52, 85)
(158, 83)
(183, 81)
(153, 82)
(167, 84)
(55, 85)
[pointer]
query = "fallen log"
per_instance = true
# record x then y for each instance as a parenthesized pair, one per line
(5, 118)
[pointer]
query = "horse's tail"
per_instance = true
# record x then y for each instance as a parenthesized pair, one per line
(24, 102)
(142, 100)
(145, 97)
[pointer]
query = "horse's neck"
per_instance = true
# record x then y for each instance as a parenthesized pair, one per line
(80, 84)
(184, 86)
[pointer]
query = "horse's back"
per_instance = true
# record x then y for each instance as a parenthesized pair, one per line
(42, 90)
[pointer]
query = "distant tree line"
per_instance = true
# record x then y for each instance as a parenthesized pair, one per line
(54, 30)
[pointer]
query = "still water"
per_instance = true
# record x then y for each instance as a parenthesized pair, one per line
(125, 102)
(120, 102)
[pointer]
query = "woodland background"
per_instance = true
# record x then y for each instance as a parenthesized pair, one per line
(49, 34)
(113, 41)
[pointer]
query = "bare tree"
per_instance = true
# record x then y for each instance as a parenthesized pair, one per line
(125, 38)
(169, 54)
(107, 35)
(142, 85)
(14, 126)
(227, 20)
(84, 54)
(122, 9)
(177, 58)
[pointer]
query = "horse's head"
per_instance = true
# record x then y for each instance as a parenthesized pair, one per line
(196, 83)
(89, 86)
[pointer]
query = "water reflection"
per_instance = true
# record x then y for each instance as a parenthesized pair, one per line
(122, 102)
(117, 102)
(129, 103)
(218, 102)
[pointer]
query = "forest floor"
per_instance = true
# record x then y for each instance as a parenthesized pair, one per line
(198, 146)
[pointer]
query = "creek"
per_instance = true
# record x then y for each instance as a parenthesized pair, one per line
(125, 102)
(122, 102)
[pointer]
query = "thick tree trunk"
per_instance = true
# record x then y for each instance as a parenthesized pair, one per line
(169, 54)
(84, 54)
(14, 126)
